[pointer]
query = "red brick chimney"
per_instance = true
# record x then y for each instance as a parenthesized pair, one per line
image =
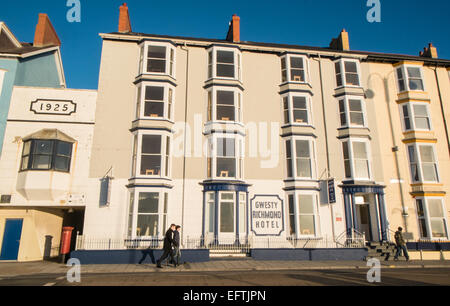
(45, 34)
(124, 19)
(234, 29)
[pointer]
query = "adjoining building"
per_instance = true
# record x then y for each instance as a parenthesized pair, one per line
(46, 150)
(28, 64)
(234, 139)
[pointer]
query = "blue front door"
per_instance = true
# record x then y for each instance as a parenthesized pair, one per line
(11, 239)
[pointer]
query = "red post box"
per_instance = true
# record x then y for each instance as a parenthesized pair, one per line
(66, 237)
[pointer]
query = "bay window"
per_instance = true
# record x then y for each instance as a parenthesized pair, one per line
(46, 154)
(294, 69)
(224, 104)
(356, 159)
(155, 101)
(297, 109)
(410, 78)
(352, 112)
(225, 156)
(431, 217)
(300, 155)
(347, 73)
(416, 116)
(423, 164)
(152, 154)
(224, 63)
(157, 58)
(148, 213)
(302, 207)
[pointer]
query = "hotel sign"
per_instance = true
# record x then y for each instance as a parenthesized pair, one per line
(53, 107)
(267, 215)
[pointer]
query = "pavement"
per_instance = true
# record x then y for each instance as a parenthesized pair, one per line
(14, 269)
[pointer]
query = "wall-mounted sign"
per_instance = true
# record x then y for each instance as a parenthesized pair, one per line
(267, 215)
(331, 192)
(76, 199)
(53, 107)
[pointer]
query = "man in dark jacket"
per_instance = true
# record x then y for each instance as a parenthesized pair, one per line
(401, 244)
(176, 244)
(168, 245)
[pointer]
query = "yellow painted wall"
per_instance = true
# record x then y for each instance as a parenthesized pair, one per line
(36, 225)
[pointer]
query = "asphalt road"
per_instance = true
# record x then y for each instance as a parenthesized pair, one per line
(389, 277)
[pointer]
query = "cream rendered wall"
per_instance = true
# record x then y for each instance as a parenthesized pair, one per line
(393, 196)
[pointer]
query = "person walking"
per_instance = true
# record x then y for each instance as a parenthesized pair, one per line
(168, 246)
(176, 244)
(401, 244)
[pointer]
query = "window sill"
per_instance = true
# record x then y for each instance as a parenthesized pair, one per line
(155, 77)
(46, 170)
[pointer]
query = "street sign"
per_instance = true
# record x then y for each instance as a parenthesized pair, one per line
(331, 192)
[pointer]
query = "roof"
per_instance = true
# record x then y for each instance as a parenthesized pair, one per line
(370, 56)
(26, 48)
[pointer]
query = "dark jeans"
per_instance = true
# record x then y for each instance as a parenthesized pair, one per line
(177, 255)
(401, 248)
(165, 254)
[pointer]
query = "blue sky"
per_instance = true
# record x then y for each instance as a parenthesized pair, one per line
(406, 27)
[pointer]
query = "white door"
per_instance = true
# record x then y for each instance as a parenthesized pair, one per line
(227, 218)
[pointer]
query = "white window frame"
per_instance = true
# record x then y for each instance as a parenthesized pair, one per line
(133, 211)
(348, 123)
(349, 142)
(211, 105)
(243, 215)
(296, 194)
(404, 69)
(168, 113)
(412, 116)
(2, 76)
(239, 143)
(287, 59)
(418, 162)
(427, 217)
(343, 72)
(143, 58)
(220, 201)
(166, 159)
(237, 63)
(312, 152)
(290, 96)
(210, 214)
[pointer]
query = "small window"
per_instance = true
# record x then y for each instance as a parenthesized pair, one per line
(294, 69)
(302, 211)
(46, 155)
(347, 73)
(410, 78)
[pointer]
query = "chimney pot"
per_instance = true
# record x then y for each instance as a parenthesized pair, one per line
(234, 29)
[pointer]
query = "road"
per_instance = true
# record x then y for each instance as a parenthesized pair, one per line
(356, 277)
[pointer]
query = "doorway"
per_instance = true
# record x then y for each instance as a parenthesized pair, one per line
(11, 239)
(363, 214)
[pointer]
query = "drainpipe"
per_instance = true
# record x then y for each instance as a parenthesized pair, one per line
(326, 139)
(395, 151)
(185, 48)
(442, 107)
